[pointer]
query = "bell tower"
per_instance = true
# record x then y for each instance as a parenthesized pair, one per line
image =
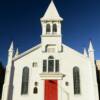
(51, 38)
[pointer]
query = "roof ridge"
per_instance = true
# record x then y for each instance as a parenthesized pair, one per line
(27, 52)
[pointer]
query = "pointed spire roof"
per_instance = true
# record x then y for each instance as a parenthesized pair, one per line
(85, 52)
(91, 47)
(11, 46)
(17, 52)
(51, 13)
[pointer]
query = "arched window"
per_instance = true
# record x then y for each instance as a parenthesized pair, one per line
(48, 28)
(56, 65)
(54, 28)
(50, 57)
(35, 91)
(25, 78)
(44, 65)
(76, 79)
(50, 64)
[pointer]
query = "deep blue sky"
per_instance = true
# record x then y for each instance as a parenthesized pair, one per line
(20, 22)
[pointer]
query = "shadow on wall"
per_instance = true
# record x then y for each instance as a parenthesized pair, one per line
(2, 75)
(98, 79)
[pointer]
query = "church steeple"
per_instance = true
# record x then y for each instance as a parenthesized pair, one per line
(51, 28)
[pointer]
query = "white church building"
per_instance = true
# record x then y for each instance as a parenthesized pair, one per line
(51, 70)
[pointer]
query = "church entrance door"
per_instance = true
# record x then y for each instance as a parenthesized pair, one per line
(51, 90)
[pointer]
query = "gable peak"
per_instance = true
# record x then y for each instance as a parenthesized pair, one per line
(51, 13)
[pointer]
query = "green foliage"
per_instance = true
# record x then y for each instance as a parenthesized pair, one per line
(2, 74)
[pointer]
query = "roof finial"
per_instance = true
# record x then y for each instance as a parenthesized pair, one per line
(11, 46)
(17, 52)
(85, 53)
(91, 46)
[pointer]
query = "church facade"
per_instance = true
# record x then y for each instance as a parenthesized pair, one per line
(51, 70)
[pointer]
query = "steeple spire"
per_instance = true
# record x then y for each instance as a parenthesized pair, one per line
(11, 51)
(85, 53)
(90, 47)
(17, 52)
(11, 46)
(51, 13)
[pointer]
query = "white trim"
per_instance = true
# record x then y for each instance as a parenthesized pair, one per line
(51, 75)
(27, 52)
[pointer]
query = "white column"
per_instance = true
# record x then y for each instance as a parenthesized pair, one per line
(51, 24)
(43, 28)
(59, 28)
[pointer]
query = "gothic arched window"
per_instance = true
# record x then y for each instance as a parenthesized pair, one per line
(35, 91)
(54, 28)
(25, 79)
(50, 64)
(48, 28)
(76, 79)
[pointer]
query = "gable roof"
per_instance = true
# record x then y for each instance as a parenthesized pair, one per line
(38, 46)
